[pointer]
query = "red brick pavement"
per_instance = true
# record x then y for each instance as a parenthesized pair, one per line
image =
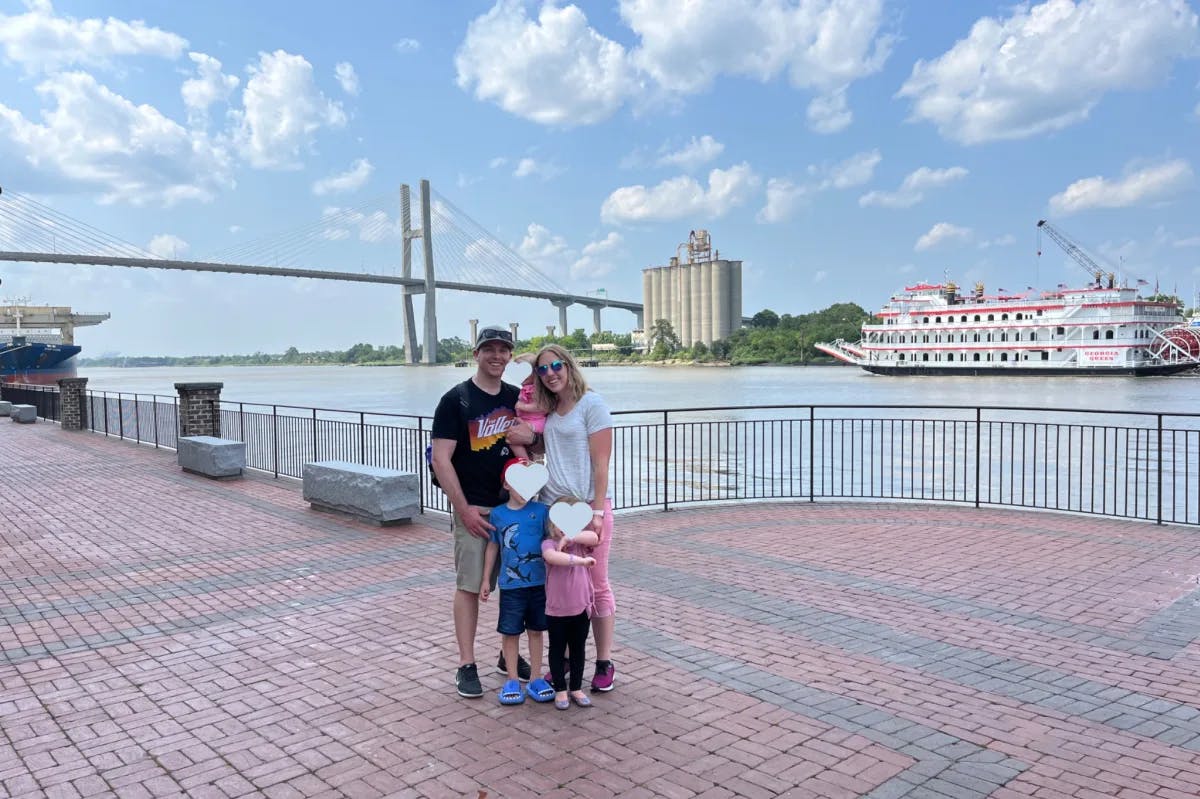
(162, 634)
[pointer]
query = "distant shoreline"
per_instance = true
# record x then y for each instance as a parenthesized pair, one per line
(91, 364)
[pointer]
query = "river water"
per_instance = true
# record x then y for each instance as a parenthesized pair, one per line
(416, 389)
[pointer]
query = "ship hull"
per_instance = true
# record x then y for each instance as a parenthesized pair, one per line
(36, 363)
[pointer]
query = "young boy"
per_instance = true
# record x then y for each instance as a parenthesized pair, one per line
(520, 526)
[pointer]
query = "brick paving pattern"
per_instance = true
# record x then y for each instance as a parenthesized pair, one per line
(166, 635)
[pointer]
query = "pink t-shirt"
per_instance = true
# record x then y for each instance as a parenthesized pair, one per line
(535, 420)
(568, 588)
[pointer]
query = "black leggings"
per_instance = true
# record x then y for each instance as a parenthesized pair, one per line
(568, 634)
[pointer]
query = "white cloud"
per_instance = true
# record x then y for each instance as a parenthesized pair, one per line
(822, 45)
(912, 189)
(554, 70)
(372, 228)
(350, 180)
(166, 245)
(682, 197)
(820, 276)
(497, 162)
(557, 70)
(283, 110)
(528, 167)
(210, 86)
(942, 232)
(782, 198)
(597, 258)
(1046, 66)
(686, 44)
(854, 171)
(407, 46)
(41, 41)
(695, 153)
(545, 250)
(347, 77)
(1147, 185)
(829, 113)
(784, 195)
(94, 139)
(1007, 240)
(1194, 241)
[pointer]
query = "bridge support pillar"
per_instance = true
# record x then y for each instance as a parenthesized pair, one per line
(561, 305)
(474, 332)
(512, 327)
(596, 319)
(431, 336)
(407, 316)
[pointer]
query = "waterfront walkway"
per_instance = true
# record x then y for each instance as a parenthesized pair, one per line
(163, 635)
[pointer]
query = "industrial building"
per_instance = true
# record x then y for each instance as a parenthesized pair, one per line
(701, 298)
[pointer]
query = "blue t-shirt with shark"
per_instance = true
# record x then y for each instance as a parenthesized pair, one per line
(519, 534)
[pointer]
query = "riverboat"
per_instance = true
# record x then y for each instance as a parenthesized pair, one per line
(1100, 329)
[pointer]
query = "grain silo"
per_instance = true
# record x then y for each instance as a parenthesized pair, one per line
(701, 297)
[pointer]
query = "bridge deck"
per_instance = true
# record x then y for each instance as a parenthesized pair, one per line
(166, 635)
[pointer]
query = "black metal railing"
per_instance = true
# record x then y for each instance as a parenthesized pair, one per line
(1125, 464)
(44, 398)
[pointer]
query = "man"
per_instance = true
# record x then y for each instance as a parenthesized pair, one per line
(472, 427)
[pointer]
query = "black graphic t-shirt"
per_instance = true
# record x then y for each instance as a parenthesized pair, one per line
(479, 432)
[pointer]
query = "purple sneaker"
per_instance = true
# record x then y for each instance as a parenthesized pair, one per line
(603, 681)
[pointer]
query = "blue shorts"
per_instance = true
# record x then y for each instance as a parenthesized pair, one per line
(522, 609)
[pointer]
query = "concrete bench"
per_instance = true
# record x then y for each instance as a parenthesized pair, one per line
(5, 407)
(383, 496)
(218, 458)
(25, 414)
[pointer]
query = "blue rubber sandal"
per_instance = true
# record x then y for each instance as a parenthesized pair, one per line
(540, 690)
(511, 693)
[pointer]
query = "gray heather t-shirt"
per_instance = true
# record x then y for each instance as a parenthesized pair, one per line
(567, 456)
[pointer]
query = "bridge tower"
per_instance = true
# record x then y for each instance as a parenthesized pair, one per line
(425, 234)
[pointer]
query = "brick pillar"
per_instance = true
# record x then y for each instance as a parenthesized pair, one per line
(199, 409)
(73, 407)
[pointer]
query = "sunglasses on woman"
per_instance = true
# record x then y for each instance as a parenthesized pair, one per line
(546, 367)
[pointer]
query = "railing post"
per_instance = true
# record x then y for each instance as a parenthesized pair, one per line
(242, 420)
(1159, 416)
(121, 416)
(275, 438)
(978, 446)
(812, 430)
(137, 419)
(666, 461)
(362, 438)
(154, 399)
(420, 462)
(314, 434)
(105, 413)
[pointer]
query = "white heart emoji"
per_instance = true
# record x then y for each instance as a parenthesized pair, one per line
(527, 478)
(517, 371)
(570, 517)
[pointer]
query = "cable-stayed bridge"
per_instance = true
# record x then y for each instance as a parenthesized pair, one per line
(468, 257)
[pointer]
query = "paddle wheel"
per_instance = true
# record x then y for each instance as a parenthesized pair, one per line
(1177, 345)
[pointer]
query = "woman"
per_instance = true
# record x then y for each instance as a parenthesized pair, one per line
(578, 439)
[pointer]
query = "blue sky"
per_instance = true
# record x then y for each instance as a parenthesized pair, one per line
(840, 148)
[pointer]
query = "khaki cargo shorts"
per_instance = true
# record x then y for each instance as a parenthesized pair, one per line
(469, 554)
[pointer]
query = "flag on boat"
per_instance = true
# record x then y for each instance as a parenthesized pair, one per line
(1143, 282)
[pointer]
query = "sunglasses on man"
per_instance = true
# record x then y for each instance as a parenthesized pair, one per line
(553, 365)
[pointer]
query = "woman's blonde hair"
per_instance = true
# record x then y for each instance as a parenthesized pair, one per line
(576, 384)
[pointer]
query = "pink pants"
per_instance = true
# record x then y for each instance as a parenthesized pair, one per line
(605, 604)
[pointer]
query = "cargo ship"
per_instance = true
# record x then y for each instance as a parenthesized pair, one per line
(37, 341)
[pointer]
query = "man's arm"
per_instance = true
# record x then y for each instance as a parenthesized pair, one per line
(489, 563)
(443, 450)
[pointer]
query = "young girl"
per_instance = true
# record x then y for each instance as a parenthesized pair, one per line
(569, 604)
(528, 410)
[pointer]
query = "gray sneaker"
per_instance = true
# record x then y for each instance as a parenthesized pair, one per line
(467, 680)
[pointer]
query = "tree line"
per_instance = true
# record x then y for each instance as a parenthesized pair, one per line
(769, 338)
